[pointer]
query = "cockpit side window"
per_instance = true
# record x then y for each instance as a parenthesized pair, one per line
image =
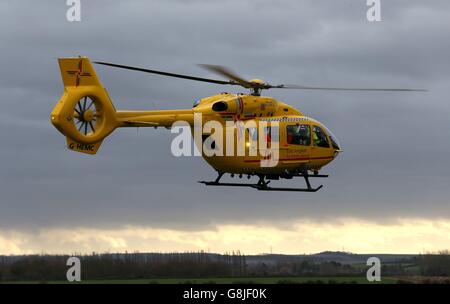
(298, 135)
(320, 138)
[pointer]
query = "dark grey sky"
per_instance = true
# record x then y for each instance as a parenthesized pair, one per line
(396, 145)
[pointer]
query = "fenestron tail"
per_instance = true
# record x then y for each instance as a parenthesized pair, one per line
(85, 113)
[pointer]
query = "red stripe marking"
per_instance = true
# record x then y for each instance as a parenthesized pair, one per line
(241, 105)
(287, 159)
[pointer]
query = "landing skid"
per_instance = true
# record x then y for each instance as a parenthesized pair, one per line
(289, 189)
(262, 184)
(227, 184)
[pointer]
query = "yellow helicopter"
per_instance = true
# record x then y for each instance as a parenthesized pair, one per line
(86, 115)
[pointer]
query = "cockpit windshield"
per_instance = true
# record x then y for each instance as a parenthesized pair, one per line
(334, 141)
(196, 103)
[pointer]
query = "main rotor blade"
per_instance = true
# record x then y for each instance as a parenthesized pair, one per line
(227, 74)
(166, 73)
(234, 79)
(299, 87)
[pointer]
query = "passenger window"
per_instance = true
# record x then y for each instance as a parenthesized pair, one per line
(298, 135)
(212, 144)
(268, 135)
(320, 138)
(252, 134)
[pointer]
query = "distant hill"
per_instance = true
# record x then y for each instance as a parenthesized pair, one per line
(328, 256)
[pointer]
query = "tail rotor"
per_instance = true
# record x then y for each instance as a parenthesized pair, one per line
(85, 116)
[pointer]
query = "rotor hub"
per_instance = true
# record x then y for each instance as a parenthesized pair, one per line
(257, 81)
(88, 115)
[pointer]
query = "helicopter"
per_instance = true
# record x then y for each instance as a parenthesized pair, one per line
(85, 115)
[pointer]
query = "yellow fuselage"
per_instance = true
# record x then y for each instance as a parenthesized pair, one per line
(255, 109)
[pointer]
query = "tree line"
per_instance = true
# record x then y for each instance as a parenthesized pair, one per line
(124, 266)
(108, 266)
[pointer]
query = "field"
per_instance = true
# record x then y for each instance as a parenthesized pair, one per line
(229, 280)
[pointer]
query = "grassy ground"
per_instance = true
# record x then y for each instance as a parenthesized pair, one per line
(249, 280)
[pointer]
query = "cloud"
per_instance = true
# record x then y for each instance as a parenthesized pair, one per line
(394, 163)
(406, 235)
